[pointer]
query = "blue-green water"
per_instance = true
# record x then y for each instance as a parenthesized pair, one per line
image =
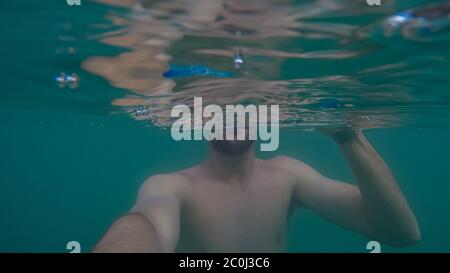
(73, 159)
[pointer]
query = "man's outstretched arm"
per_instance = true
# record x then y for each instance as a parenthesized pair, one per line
(152, 225)
(131, 233)
(375, 207)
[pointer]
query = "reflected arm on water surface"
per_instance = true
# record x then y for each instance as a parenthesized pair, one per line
(375, 207)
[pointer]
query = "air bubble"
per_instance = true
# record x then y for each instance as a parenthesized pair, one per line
(71, 80)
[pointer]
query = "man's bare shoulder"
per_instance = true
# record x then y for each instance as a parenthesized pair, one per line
(290, 168)
(166, 184)
(284, 164)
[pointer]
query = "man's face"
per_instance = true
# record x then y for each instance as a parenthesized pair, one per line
(232, 147)
(235, 146)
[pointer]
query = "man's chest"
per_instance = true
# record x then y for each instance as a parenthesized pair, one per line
(252, 218)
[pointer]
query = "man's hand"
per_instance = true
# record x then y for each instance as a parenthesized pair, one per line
(340, 135)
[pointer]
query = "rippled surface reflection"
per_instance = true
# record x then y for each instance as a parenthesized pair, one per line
(326, 63)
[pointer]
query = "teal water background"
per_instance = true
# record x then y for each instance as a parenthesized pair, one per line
(62, 183)
(68, 168)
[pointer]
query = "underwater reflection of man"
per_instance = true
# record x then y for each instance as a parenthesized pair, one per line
(234, 202)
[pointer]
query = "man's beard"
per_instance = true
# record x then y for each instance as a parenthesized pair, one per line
(227, 147)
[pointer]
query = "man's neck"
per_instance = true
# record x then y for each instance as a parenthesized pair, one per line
(231, 168)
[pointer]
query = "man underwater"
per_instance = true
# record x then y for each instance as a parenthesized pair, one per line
(234, 202)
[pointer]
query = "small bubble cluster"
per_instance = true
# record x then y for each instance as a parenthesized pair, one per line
(71, 80)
